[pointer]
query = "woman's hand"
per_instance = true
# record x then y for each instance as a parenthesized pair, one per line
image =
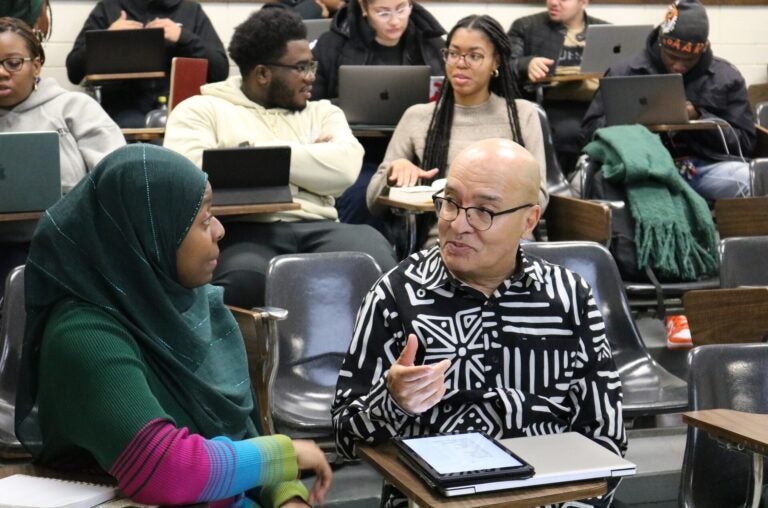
(404, 173)
(311, 458)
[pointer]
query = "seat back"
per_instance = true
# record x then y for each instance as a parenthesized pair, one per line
(187, 76)
(648, 387)
(322, 293)
(744, 261)
(556, 182)
(727, 377)
(12, 325)
(758, 174)
(761, 114)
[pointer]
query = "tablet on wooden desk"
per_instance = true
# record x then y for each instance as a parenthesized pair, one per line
(465, 463)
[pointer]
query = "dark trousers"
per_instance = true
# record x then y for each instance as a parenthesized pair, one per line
(565, 122)
(352, 206)
(248, 247)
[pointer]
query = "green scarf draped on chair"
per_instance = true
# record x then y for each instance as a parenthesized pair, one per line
(674, 232)
(111, 242)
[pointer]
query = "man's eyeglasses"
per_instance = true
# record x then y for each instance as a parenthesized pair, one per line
(471, 59)
(15, 63)
(477, 217)
(303, 68)
(387, 15)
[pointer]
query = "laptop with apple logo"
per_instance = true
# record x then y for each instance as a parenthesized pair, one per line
(378, 95)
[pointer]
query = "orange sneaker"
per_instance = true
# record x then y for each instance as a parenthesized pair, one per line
(678, 332)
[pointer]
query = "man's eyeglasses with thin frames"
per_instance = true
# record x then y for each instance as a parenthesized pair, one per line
(303, 68)
(477, 217)
(15, 63)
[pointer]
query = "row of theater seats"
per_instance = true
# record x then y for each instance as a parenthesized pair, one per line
(294, 363)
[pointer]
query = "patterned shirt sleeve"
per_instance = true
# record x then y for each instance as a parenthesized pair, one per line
(363, 409)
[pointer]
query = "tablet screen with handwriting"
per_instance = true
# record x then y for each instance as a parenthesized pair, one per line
(462, 458)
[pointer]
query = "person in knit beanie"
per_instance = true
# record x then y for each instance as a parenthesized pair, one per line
(683, 38)
(685, 28)
(713, 161)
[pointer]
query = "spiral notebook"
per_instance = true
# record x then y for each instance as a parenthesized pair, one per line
(25, 491)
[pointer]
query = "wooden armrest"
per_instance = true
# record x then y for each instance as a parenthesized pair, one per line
(725, 316)
(578, 219)
(742, 216)
(259, 329)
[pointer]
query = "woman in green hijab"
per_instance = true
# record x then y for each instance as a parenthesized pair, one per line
(32, 12)
(136, 365)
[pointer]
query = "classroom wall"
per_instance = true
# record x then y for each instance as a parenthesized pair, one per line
(737, 33)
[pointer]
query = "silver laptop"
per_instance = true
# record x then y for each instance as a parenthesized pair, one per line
(249, 175)
(317, 27)
(607, 45)
(380, 94)
(646, 100)
(555, 458)
(30, 173)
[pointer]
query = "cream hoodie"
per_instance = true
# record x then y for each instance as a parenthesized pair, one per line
(223, 117)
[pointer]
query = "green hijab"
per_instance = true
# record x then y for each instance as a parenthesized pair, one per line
(111, 242)
(26, 10)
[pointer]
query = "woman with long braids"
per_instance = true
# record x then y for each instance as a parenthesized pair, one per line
(479, 100)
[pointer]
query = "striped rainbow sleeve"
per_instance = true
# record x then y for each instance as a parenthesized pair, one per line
(166, 465)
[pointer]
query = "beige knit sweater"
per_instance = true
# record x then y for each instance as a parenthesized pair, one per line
(470, 124)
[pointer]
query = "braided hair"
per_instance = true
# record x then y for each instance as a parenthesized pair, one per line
(23, 30)
(503, 85)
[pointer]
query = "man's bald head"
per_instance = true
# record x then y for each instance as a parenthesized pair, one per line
(513, 167)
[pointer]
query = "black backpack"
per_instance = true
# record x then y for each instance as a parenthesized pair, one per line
(622, 246)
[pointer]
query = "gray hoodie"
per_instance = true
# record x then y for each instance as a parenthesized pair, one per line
(86, 133)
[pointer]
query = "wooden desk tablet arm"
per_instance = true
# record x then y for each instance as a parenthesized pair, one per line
(578, 219)
(724, 316)
(259, 329)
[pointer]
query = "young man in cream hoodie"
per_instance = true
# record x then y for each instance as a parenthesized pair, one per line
(269, 105)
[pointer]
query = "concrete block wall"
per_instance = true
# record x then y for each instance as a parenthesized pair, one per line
(737, 33)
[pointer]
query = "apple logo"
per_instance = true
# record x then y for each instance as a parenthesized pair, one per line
(617, 49)
(384, 95)
(643, 101)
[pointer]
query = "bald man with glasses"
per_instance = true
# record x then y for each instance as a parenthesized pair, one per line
(474, 334)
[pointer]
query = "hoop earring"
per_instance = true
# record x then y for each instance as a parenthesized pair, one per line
(495, 72)
(37, 80)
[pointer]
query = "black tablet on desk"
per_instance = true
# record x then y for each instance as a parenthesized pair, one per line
(465, 463)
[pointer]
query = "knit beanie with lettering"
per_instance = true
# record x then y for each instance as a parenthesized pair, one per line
(685, 27)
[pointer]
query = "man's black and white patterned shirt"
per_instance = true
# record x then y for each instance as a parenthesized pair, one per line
(531, 359)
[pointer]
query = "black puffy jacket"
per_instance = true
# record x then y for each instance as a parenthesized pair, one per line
(350, 42)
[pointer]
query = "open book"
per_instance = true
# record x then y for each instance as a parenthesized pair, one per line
(25, 491)
(418, 194)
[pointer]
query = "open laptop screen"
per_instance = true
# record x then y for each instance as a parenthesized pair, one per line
(124, 51)
(380, 94)
(249, 175)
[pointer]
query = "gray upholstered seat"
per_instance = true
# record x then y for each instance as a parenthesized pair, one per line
(648, 387)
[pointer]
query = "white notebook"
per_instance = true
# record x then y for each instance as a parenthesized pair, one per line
(24, 491)
(417, 194)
